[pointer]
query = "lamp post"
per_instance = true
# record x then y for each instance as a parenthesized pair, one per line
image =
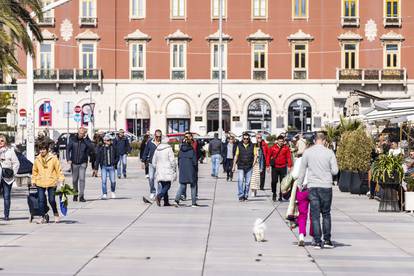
(30, 88)
(220, 64)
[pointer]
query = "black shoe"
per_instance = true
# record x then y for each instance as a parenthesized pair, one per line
(274, 197)
(371, 197)
(119, 176)
(166, 204)
(328, 244)
(183, 197)
(280, 199)
(177, 203)
(125, 176)
(82, 199)
(195, 205)
(158, 200)
(46, 217)
(241, 199)
(317, 245)
(75, 198)
(6, 218)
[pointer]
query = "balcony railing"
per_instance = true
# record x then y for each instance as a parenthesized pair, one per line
(88, 74)
(66, 74)
(178, 75)
(300, 74)
(45, 74)
(350, 21)
(215, 74)
(372, 76)
(259, 75)
(47, 21)
(88, 21)
(8, 87)
(137, 74)
(392, 21)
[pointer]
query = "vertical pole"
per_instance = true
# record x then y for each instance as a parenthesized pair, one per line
(30, 154)
(220, 78)
(109, 117)
(136, 119)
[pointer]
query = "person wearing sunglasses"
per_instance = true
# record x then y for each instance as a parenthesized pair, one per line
(147, 157)
(243, 161)
(9, 168)
(228, 153)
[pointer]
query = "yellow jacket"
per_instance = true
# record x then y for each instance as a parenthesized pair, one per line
(47, 171)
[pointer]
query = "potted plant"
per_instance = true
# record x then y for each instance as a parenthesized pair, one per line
(409, 193)
(388, 172)
(354, 158)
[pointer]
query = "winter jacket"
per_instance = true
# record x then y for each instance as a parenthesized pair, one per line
(164, 163)
(47, 171)
(245, 156)
(187, 163)
(224, 150)
(266, 153)
(142, 149)
(283, 159)
(78, 150)
(9, 160)
(107, 156)
(149, 151)
(214, 147)
(122, 145)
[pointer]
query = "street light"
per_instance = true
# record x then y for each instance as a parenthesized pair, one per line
(30, 85)
(220, 64)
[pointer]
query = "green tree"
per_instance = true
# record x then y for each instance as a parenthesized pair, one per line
(14, 17)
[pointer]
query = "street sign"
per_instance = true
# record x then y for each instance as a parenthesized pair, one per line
(22, 121)
(77, 117)
(22, 112)
(47, 108)
(78, 109)
(86, 118)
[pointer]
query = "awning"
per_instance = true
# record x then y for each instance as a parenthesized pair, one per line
(375, 115)
(178, 109)
(137, 109)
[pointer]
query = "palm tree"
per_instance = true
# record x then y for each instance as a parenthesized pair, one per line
(14, 17)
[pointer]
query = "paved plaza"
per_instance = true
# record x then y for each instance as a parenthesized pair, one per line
(127, 237)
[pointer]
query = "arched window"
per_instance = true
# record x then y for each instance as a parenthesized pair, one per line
(300, 116)
(213, 115)
(259, 115)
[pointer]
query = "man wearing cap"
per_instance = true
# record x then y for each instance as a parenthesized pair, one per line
(107, 158)
(147, 157)
(124, 148)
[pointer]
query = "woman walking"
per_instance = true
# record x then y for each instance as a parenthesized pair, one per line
(97, 142)
(166, 170)
(228, 152)
(141, 154)
(46, 175)
(107, 158)
(187, 164)
(259, 164)
(9, 168)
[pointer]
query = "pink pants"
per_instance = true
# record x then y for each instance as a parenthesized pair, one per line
(303, 207)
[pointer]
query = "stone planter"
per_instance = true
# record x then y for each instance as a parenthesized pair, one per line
(409, 201)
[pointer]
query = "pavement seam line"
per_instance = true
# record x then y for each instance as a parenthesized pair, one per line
(111, 241)
(209, 227)
(305, 248)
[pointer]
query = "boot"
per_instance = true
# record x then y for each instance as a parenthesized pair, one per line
(274, 197)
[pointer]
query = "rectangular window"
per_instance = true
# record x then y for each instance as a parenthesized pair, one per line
(178, 8)
(300, 61)
(259, 61)
(259, 8)
(87, 56)
(349, 56)
(137, 8)
(137, 61)
(45, 56)
(215, 8)
(49, 16)
(300, 8)
(392, 8)
(215, 60)
(178, 61)
(87, 12)
(392, 56)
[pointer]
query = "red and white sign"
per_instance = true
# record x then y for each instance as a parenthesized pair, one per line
(22, 112)
(78, 109)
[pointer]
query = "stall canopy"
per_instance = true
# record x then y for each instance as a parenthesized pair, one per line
(393, 110)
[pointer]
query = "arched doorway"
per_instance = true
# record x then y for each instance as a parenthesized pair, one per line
(137, 117)
(178, 116)
(259, 115)
(213, 115)
(300, 116)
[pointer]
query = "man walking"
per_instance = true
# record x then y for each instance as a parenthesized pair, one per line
(321, 165)
(147, 157)
(214, 148)
(123, 148)
(280, 161)
(266, 153)
(244, 158)
(79, 149)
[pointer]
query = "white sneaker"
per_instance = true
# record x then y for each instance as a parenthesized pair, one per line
(104, 196)
(301, 240)
(152, 196)
(113, 195)
(147, 176)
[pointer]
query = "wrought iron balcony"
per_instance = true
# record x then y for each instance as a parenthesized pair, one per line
(259, 74)
(47, 21)
(371, 76)
(67, 76)
(8, 87)
(350, 74)
(137, 74)
(45, 74)
(88, 74)
(392, 21)
(350, 21)
(300, 74)
(178, 75)
(88, 21)
(393, 74)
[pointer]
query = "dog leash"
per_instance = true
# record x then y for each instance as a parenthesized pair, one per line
(270, 214)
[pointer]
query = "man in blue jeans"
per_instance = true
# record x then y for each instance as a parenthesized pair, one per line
(243, 159)
(123, 148)
(214, 148)
(147, 157)
(319, 164)
(107, 158)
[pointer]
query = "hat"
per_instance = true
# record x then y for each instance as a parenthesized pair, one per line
(107, 137)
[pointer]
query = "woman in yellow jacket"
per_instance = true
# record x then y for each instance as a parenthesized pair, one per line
(46, 175)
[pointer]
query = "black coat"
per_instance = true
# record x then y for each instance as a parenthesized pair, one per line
(79, 150)
(103, 153)
(187, 164)
(122, 145)
(224, 150)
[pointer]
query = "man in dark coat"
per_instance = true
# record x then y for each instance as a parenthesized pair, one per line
(187, 165)
(123, 147)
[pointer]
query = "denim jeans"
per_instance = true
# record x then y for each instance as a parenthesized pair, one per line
(151, 179)
(122, 165)
(165, 186)
(108, 171)
(6, 196)
(320, 203)
(182, 189)
(215, 164)
(42, 200)
(243, 180)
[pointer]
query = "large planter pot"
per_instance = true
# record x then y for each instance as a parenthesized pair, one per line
(364, 183)
(345, 181)
(389, 198)
(409, 201)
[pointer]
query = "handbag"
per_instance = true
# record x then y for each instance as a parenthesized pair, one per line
(7, 173)
(273, 160)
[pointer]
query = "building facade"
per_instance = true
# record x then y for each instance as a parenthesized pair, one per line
(149, 64)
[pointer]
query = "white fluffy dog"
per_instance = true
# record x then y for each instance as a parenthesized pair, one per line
(259, 230)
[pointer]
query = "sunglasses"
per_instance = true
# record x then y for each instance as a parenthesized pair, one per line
(246, 138)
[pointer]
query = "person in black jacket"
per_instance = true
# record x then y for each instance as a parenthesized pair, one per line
(141, 154)
(124, 148)
(228, 152)
(79, 149)
(107, 158)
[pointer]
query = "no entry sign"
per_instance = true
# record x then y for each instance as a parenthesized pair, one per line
(78, 109)
(22, 112)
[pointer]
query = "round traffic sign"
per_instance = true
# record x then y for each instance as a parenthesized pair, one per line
(77, 117)
(22, 112)
(78, 109)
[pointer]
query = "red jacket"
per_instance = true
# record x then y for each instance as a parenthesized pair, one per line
(283, 158)
(266, 152)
